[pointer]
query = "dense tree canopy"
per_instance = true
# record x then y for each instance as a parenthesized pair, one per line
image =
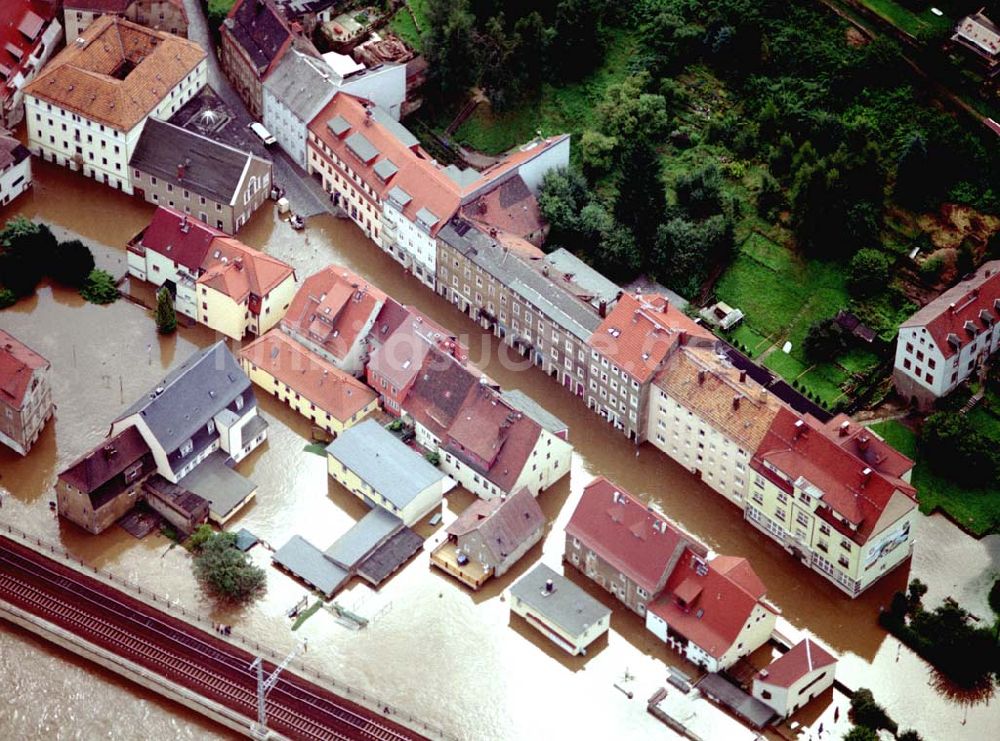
(225, 572)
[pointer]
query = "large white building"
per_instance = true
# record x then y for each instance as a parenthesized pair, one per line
(948, 340)
(87, 108)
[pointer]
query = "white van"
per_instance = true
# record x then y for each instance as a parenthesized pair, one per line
(263, 134)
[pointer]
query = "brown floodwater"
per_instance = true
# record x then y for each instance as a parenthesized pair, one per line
(455, 659)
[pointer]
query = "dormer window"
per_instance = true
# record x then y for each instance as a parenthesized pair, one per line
(239, 402)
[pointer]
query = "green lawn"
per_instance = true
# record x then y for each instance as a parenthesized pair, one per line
(558, 110)
(403, 26)
(915, 24)
(976, 510)
(754, 343)
(823, 380)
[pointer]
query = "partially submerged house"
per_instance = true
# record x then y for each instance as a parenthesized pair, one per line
(489, 537)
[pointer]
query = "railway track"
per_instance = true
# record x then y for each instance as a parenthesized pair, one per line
(180, 652)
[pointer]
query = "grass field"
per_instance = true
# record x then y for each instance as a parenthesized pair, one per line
(403, 26)
(976, 510)
(915, 24)
(566, 109)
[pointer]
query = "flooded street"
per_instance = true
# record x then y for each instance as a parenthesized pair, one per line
(453, 658)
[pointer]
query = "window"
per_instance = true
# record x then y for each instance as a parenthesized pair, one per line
(824, 529)
(845, 544)
(780, 514)
(186, 447)
(931, 363)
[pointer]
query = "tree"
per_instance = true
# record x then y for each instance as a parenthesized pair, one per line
(770, 199)
(28, 250)
(227, 574)
(641, 195)
(619, 257)
(166, 315)
(7, 298)
(449, 47)
(868, 272)
(99, 288)
(913, 187)
(631, 115)
(670, 40)
(201, 535)
(861, 733)
(994, 597)
(579, 40)
(433, 457)
(868, 713)
(824, 341)
(685, 249)
(71, 263)
(563, 194)
(699, 192)
(914, 596)
(530, 66)
(597, 151)
(958, 450)
(496, 49)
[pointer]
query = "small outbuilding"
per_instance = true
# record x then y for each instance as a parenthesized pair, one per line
(792, 680)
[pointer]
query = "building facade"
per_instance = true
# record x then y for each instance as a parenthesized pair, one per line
(836, 498)
(213, 182)
(161, 15)
(795, 678)
(254, 38)
(30, 33)
(950, 339)
(15, 168)
(25, 394)
(87, 109)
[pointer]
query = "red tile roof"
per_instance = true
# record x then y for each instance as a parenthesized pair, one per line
(962, 312)
(862, 443)
(402, 338)
(805, 657)
(802, 448)
(321, 383)
(333, 307)
(21, 24)
(427, 184)
(710, 603)
(81, 78)
(634, 539)
(237, 271)
(510, 208)
(641, 330)
(179, 237)
(18, 364)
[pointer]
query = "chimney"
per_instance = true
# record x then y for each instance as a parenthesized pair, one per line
(800, 428)
(743, 376)
(185, 226)
(845, 427)
(863, 442)
(951, 308)
(238, 263)
(866, 475)
(368, 116)
(602, 308)
(180, 171)
(736, 402)
(549, 586)
(701, 378)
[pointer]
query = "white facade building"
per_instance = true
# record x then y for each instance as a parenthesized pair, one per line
(15, 169)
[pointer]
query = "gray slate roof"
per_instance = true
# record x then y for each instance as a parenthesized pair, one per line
(302, 84)
(390, 467)
(394, 127)
(385, 168)
(567, 605)
(388, 557)
(367, 534)
(192, 394)
(211, 169)
(307, 562)
(400, 196)
(566, 310)
(221, 486)
(584, 276)
(359, 144)
(524, 403)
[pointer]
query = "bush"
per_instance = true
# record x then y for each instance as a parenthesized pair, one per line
(930, 269)
(199, 537)
(227, 574)
(71, 263)
(825, 341)
(433, 457)
(995, 597)
(7, 298)
(99, 288)
(957, 449)
(868, 272)
(868, 713)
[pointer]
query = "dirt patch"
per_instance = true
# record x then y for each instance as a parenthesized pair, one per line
(855, 38)
(954, 224)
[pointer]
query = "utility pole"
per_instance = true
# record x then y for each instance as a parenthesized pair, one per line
(264, 687)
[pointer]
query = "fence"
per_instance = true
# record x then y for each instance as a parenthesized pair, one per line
(164, 603)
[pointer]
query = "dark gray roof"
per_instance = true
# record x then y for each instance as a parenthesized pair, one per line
(338, 125)
(400, 196)
(302, 84)
(524, 403)
(260, 30)
(584, 276)
(363, 538)
(192, 394)
(567, 605)
(358, 143)
(385, 169)
(307, 562)
(223, 488)
(564, 309)
(391, 468)
(717, 688)
(400, 132)
(211, 169)
(389, 556)
(427, 217)
(462, 176)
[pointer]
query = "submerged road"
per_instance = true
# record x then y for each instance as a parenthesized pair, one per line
(180, 652)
